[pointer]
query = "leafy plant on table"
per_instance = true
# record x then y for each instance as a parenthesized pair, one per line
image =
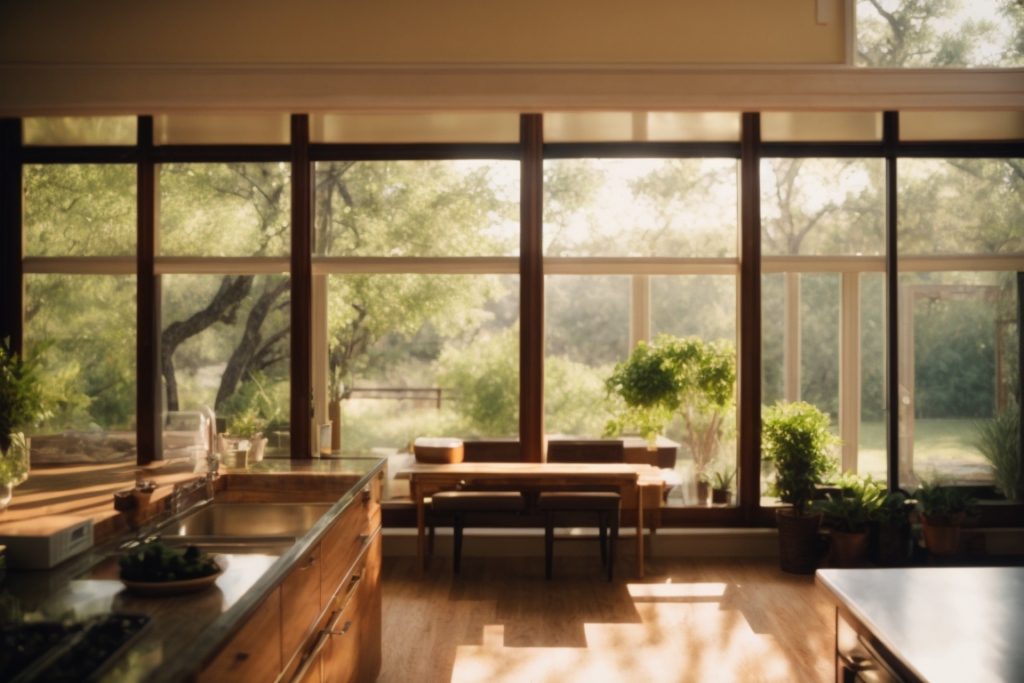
(942, 503)
(154, 561)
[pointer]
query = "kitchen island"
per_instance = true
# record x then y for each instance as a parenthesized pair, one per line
(928, 623)
(300, 607)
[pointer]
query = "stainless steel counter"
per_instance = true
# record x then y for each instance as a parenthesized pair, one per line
(940, 624)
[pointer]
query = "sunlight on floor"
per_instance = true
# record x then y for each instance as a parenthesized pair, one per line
(687, 632)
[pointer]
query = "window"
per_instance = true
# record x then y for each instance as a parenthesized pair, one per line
(939, 33)
(224, 339)
(635, 248)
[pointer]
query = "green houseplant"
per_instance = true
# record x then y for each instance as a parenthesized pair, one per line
(943, 509)
(721, 485)
(685, 376)
(892, 526)
(998, 440)
(22, 404)
(797, 443)
(849, 515)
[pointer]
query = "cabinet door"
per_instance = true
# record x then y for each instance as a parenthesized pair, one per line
(341, 655)
(300, 603)
(254, 653)
(370, 622)
(344, 541)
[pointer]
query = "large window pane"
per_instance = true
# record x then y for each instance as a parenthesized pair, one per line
(417, 208)
(871, 450)
(423, 355)
(79, 210)
(701, 306)
(958, 370)
(84, 327)
(939, 33)
(586, 333)
(961, 206)
(225, 209)
(822, 207)
(224, 349)
(640, 207)
(80, 130)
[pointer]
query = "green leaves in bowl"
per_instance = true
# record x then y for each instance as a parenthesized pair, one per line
(156, 562)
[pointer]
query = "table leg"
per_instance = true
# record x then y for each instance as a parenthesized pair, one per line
(421, 525)
(640, 532)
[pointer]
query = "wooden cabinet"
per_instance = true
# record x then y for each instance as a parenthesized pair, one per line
(300, 603)
(322, 623)
(253, 653)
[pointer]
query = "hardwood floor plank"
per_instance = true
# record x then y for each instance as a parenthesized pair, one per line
(688, 620)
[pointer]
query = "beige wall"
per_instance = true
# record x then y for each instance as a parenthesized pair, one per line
(420, 31)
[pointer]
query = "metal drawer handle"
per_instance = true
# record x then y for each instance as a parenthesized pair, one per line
(309, 564)
(241, 656)
(344, 629)
(367, 494)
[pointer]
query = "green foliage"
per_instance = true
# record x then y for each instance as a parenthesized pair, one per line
(796, 441)
(252, 410)
(688, 375)
(22, 401)
(485, 381)
(893, 509)
(722, 479)
(998, 440)
(155, 561)
(857, 504)
(937, 500)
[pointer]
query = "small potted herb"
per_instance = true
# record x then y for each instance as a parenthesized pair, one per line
(796, 441)
(721, 486)
(943, 509)
(849, 515)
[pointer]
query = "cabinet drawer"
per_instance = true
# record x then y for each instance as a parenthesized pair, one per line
(300, 603)
(340, 660)
(253, 654)
(344, 541)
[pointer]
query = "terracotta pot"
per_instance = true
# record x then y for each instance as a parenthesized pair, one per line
(849, 549)
(942, 534)
(721, 496)
(798, 541)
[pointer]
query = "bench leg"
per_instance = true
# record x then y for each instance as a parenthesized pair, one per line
(611, 544)
(549, 543)
(602, 535)
(457, 543)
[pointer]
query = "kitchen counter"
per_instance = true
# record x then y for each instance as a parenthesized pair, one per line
(936, 624)
(185, 631)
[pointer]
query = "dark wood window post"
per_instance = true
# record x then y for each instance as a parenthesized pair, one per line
(890, 142)
(11, 280)
(531, 289)
(148, 425)
(301, 291)
(750, 318)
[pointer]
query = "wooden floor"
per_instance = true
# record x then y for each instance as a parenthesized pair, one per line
(689, 620)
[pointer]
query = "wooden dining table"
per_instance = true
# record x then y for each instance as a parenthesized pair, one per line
(637, 484)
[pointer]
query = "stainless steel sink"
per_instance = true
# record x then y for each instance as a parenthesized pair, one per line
(249, 520)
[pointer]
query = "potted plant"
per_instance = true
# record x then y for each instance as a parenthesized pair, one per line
(250, 425)
(998, 440)
(796, 441)
(721, 486)
(943, 509)
(892, 529)
(22, 404)
(685, 376)
(849, 515)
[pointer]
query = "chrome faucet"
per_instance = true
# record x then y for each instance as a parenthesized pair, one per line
(184, 490)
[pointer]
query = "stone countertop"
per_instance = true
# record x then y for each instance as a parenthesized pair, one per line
(943, 624)
(186, 630)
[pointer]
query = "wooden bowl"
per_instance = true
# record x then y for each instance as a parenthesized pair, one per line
(156, 589)
(438, 451)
